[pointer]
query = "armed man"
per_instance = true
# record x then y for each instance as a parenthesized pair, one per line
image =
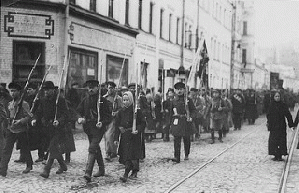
(181, 126)
(115, 104)
(52, 113)
(19, 116)
(95, 115)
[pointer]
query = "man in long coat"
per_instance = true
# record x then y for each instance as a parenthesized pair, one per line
(17, 130)
(115, 104)
(88, 116)
(181, 126)
(53, 117)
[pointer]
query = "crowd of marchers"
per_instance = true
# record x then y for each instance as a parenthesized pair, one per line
(127, 117)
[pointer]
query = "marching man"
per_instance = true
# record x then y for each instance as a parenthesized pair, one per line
(95, 130)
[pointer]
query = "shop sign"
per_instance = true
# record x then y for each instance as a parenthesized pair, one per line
(28, 25)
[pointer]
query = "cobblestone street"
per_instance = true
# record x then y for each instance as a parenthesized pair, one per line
(245, 167)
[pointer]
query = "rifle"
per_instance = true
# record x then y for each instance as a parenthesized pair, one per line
(153, 105)
(186, 104)
(20, 104)
(162, 90)
(66, 59)
(99, 124)
(134, 127)
(119, 83)
(39, 89)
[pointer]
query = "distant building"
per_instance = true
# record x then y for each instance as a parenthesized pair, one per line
(248, 44)
(237, 79)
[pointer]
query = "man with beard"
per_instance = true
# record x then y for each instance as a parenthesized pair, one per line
(17, 129)
(115, 104)
(88, 116)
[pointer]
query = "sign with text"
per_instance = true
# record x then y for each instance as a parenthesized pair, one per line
(28, 25)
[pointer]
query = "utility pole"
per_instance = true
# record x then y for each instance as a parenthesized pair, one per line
(233, 46)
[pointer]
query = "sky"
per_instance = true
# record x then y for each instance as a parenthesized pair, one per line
(277, 21)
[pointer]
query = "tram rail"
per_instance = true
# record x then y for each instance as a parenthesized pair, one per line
(201, 167)
(284, 176)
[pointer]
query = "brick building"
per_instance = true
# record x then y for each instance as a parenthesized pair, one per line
(58, 31)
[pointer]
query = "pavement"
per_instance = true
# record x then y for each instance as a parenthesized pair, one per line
(245, 167)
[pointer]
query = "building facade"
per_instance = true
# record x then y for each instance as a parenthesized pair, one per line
(237, 77)
(77, 38)
(248, 44)
(89, 39)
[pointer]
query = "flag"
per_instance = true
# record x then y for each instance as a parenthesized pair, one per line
(202, 70)
(198, 65)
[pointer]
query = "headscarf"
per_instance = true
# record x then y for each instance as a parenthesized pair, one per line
(274, 93)
(131, 99)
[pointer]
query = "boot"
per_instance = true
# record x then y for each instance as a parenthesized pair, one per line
(213, 137)
(27, 170)
(124, 178)
(133, 174)
(220, 136)
(279, 158)
(100, 162)
(89, 166)
(47, 168)
(67, 158)
(62, 166)
(101, 172)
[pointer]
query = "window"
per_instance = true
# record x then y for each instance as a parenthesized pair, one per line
(127, 12)
(110, 11)
(114, 65)
(218, 52)
(224, 18)
(170, 26)
(244, 27)
(151, 18)
(140, 15)
(83, 66)
(161, 22)
(244, 57)
(190, 37)
(93, 5)
(215, 50)
(186, 36)
(24, 56)
(73, 2)
(216, 11)
(220, 14)
(143, 75)
(212, 46)
(177, 30)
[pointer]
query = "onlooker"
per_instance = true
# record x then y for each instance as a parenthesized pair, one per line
(276, 124)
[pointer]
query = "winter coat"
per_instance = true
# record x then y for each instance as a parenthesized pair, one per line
(180, 126)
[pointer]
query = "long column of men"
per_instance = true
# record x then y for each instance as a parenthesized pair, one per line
(123, 117)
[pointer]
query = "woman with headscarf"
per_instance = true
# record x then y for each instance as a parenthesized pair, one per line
(276, 124)
(130, 146)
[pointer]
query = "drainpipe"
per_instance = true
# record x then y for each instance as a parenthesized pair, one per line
(66, 24)
(233, 46)
(183, 35)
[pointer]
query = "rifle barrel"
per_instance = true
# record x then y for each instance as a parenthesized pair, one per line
(25, 89)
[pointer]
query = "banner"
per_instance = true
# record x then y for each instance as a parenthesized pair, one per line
(198, 66)
(274, 80)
